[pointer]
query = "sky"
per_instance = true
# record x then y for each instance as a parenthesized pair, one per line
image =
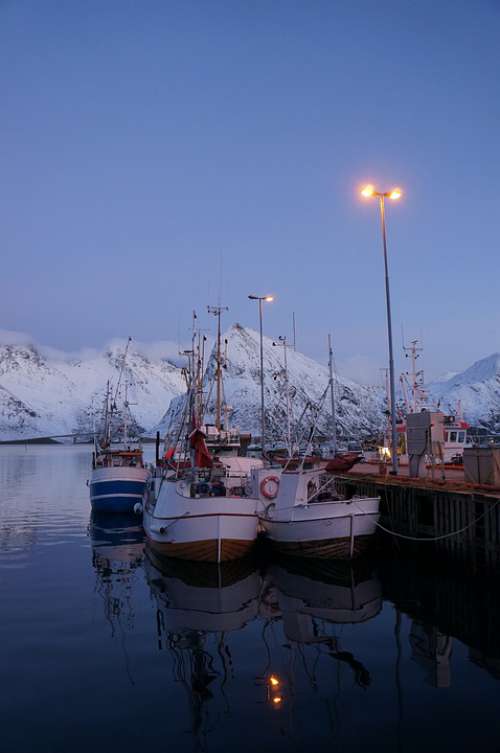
(156, 157)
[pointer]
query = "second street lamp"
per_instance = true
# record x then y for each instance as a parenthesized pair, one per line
(260, 299)
(369, 192)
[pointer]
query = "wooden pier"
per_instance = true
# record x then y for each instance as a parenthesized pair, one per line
(463, 520)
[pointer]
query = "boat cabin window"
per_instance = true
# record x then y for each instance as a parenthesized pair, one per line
(461, 437)
(453, 436)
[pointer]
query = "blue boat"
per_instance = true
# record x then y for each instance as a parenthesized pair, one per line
(119, 481)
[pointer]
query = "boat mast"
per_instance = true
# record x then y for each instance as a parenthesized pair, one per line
(284, 344)
(122, 368)
(216, 311)
(125, 417)
(107, 419)
(417, 393)
(333, 426)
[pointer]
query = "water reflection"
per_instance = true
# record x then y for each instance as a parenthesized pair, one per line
(197, 609)
(117, 553)
(314, 600)
(432, 650)
(102, 645)
(442, 600)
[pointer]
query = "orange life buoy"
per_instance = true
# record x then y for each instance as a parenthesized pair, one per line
(269, 481)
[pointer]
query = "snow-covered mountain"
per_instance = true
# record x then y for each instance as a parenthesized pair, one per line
(44, 392)
(476, 390)
(359, 409)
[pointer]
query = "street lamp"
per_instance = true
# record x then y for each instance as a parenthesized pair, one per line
(260, 299)
(369, 192)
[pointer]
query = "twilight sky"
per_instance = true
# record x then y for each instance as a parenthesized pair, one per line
(159, 156)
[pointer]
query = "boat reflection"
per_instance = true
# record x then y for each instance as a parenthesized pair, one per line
(311, 599)
(117, 552)
(197, 607)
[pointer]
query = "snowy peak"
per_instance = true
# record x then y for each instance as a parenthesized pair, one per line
(475, 391)
(46, 392)
(480, 371)
(358, 409)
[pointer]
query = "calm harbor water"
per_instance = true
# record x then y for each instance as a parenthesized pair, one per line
(104, 647)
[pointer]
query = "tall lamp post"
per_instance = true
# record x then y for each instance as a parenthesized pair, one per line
(369, 192)
(261, 299)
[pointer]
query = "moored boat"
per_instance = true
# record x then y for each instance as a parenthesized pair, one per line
(308, 519)
(192, 518)
(119, 478)
(119, 481)
(300, 510)
(200, 511)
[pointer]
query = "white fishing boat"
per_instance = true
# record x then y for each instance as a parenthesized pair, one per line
(192, 518)
(300, 510)
(307, 518)
(199, 512)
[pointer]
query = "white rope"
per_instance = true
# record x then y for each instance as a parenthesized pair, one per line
(442, 536)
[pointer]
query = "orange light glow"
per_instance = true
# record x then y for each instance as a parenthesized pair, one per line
(368, 191)
(277, 700)
(395, 194)
(269, 298)
(274, 681)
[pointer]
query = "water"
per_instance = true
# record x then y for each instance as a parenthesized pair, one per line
(104, 648)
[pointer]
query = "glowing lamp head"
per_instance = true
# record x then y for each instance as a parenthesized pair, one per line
(395, 194)
(368, 191)
(277, 699)
(269, 298)
(274, 681)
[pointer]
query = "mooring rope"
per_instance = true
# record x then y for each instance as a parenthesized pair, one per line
(442, 536)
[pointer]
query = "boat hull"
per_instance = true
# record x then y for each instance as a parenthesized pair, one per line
(324, 548)
(209, 550)
(329, 530)
(204, 529)
(118, 490)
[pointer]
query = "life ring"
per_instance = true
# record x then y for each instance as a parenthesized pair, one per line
(269, 487)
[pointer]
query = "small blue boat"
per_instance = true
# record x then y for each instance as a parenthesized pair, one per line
(119, 481)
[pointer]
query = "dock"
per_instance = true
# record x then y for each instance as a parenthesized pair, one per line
(458, 519)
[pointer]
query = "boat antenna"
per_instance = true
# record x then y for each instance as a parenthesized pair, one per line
(333, 426)
(216, 311)
(294, 331)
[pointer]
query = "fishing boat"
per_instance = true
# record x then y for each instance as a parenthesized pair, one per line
(455, 436)
(309, 519)
(195, 512)
(119, 478)
(301, 512)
